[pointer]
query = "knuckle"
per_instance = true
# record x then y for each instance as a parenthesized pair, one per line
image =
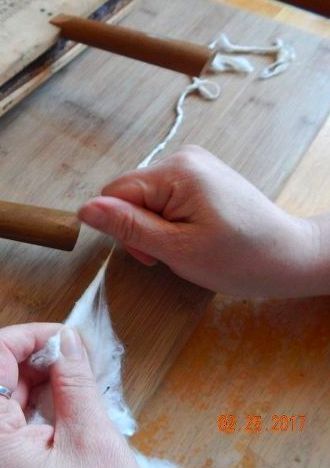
(117, 183)
(106, 190)
(187, 160)
(125, 226)
(191, 152)
(191, 149)
(195, 157)
(110, 188)
(184, 158)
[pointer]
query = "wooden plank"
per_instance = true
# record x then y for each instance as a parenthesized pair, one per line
(25, 31)
(102, 115)
(54, 59)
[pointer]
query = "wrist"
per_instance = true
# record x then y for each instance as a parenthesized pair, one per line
(318, 274)
(302, 265)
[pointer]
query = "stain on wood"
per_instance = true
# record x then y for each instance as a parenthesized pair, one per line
(264, 359)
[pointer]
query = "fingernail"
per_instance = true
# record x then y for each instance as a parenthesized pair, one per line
(71, 345)
(93, 215)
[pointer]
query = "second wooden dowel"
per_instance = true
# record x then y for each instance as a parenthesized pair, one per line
(36, 225)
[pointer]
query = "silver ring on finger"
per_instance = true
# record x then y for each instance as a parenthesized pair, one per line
(5, 392)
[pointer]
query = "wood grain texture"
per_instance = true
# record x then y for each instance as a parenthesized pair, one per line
(264, 358)
(154, 317)
(285, 14)
(54, 59)
(25, 32)
(101, 116)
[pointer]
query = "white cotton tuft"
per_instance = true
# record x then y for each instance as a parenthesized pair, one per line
(90, 317)
(146, 462)
(48, 355)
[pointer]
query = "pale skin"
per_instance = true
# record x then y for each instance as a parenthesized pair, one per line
(211, 227)
(83, 436)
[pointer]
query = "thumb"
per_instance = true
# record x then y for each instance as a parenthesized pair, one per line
(137, 228)
(75, 394)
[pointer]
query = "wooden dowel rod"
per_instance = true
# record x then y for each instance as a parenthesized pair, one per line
(35, 225)
(180, 56)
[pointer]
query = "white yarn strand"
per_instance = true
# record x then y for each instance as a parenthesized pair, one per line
(223, 44)
(207, 89)
(284, 58)
(210, 90)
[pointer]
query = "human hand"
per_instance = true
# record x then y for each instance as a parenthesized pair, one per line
(82, 435)
(209, 225)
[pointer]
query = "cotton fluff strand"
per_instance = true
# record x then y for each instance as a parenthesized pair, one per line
(90, 316)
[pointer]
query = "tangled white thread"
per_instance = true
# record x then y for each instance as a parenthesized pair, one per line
(210, 90)
(284, 54)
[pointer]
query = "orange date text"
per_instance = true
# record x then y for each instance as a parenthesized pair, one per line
(256, 424)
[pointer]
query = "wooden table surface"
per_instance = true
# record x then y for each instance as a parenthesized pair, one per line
(64, 142)
(254, 359)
